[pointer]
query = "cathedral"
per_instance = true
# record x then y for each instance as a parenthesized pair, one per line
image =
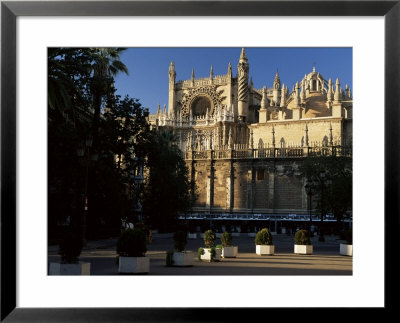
(243, 145)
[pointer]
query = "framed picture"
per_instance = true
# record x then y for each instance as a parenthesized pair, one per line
(372, 27)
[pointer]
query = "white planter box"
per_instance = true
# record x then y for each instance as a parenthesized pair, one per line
(235, 234)
(82, 268)
(185, 258)
(251, 234)
(265, 249)
(134, 265)
(346, 249)
(192, 236)
(207, 254)
(303, 249)
(229, 252)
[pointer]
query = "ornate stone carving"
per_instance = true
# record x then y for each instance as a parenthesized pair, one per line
(210, 92)
(243, 79)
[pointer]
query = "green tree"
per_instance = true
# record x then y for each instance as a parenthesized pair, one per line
(168, 190)
(126, 134)
(334, 188)
(106, 65)
(69, 121)
(80, 85)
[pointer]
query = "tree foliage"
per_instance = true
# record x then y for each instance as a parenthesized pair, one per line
(168, 190)
(335, 197)
(81, 103)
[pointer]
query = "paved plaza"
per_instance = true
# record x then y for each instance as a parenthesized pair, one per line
(325, 259)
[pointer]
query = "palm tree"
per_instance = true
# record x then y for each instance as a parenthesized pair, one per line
(69, 71)
(106, 65)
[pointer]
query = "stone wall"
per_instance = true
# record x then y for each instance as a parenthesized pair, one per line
(249, 186)
(293, 133)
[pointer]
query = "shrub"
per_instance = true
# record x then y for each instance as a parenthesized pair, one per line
(226, 239)
(219, 246)
(347, 236)
(209, 238)
(200, 252)
(180, 240)
(263, 237)
(70, 248)
(132, 243)
(213, 252)
(302, 237)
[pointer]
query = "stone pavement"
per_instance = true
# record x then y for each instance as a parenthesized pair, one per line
(325, 259)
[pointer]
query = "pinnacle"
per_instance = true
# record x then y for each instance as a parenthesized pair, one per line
(243, 54)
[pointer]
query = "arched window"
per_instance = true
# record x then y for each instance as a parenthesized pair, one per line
(282, 143)
(200, 105)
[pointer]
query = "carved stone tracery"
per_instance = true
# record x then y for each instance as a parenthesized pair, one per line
(209, 92)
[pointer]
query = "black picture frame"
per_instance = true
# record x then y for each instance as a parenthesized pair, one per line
(10, 10)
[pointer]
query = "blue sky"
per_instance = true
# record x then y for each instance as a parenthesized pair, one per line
(148, 67)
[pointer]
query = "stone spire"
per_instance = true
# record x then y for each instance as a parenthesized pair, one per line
(276, 92)
(243, 85)
(263, 113)
(211, 72)
(348, 92)
(337, 108)
(303, 91)
(329, 96)
(283, 96)
(171, 72)
(264, 101)
(297, 95)
(243, 55)
(171, 88)
(337, 98)
(230, 70)
(297, 109)
(277, 80)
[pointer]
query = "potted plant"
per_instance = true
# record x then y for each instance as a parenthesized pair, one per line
(70, 249)
(180, 257)
(228, 251)
(131, 249)
(209, 253)
(346, 245)
(263, 241)
(302, 243)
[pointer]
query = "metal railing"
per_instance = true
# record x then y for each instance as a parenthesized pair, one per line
(295, 152)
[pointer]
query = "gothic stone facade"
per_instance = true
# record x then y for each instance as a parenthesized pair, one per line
(244, 146)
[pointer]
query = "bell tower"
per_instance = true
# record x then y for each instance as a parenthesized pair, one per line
(243, 86)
